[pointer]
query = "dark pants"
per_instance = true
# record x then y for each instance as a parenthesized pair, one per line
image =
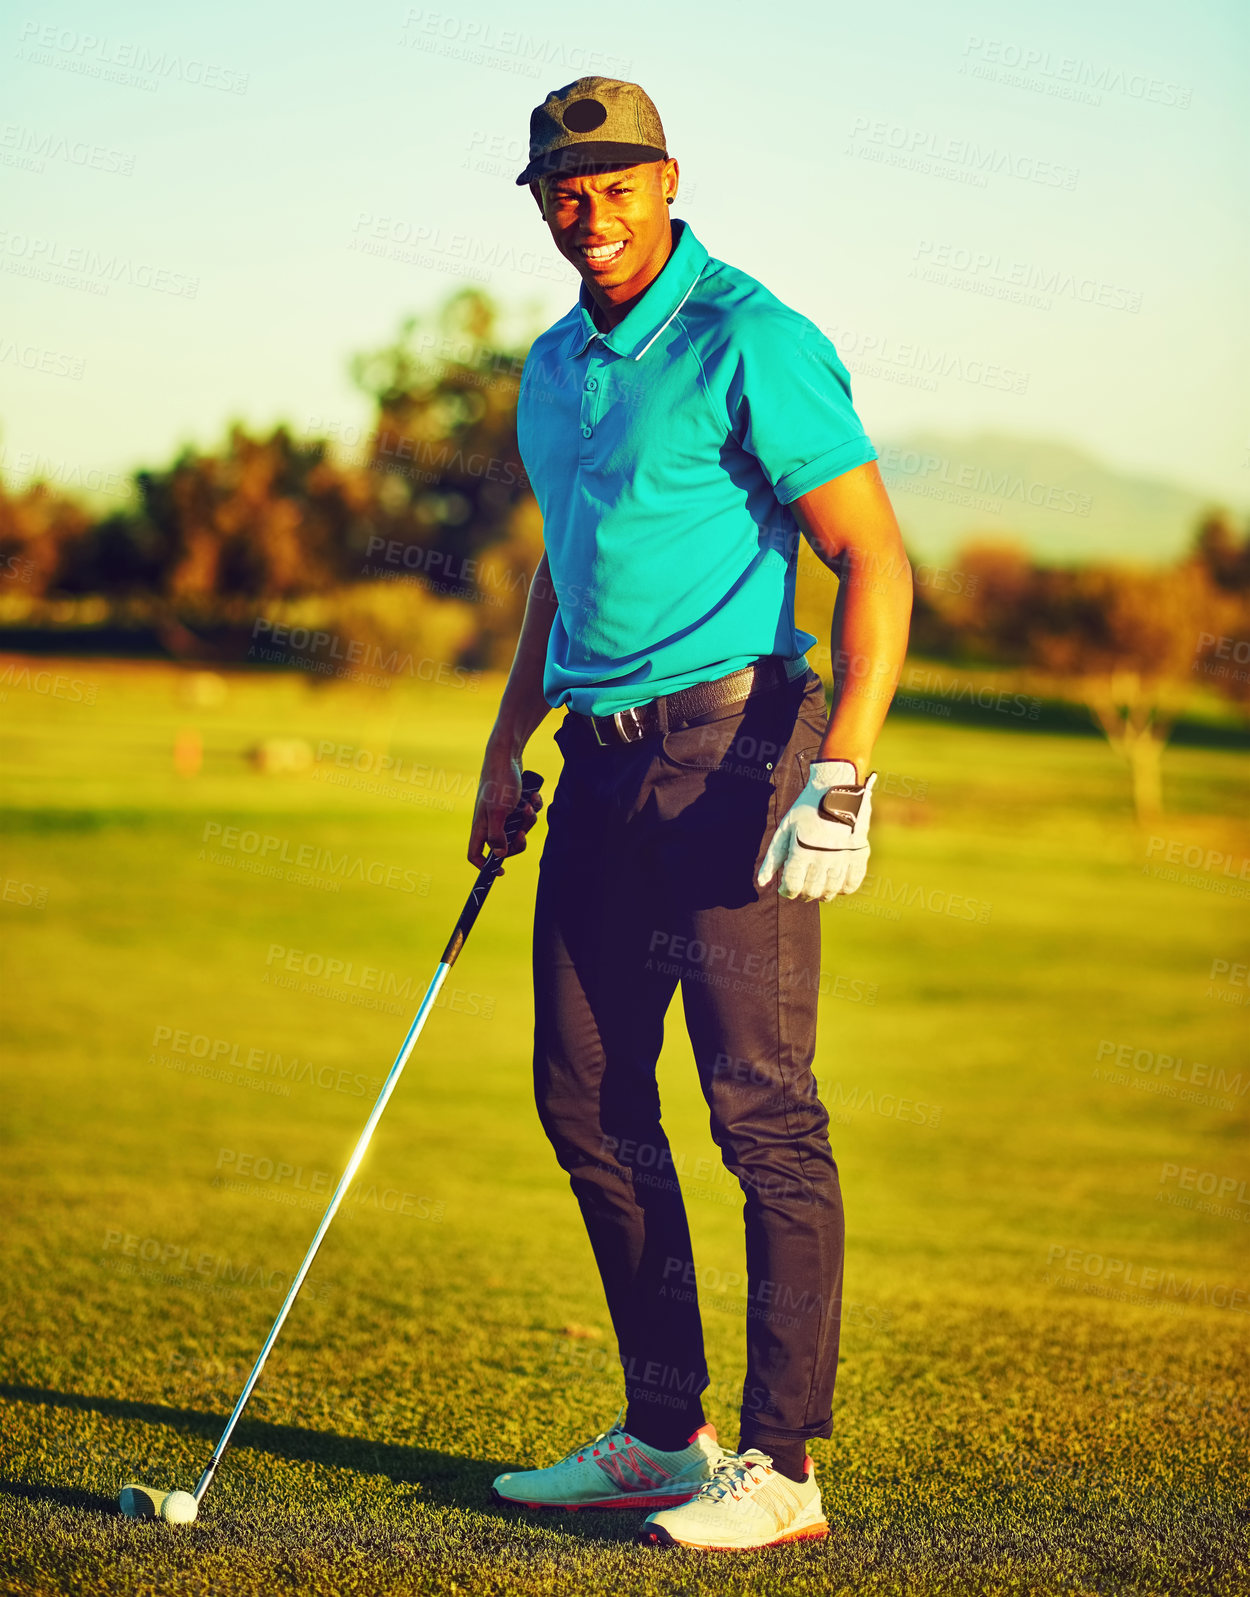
(647, 880)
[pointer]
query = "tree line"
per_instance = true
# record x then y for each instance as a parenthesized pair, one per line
(435, 499)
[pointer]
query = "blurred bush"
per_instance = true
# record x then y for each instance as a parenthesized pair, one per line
(436, 508)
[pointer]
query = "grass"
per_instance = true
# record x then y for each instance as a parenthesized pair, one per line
(1045, 1345)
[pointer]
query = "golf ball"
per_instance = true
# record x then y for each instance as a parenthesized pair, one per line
(179, 1508)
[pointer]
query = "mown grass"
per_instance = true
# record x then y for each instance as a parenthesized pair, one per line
(1004, 1423)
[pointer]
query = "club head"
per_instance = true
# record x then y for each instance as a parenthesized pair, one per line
(145, 1502)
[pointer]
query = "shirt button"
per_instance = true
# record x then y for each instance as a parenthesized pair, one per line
(591, 384)
(586, 431)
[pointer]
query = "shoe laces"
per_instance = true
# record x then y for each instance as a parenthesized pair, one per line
(614, 1432)
(732, 1474)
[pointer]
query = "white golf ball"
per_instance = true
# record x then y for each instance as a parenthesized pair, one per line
(179, 1508)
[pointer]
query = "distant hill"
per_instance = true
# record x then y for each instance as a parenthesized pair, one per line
(1059, 503)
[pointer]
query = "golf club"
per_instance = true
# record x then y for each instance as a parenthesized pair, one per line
(178, 1507)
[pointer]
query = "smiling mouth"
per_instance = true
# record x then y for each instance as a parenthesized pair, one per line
(600, 254)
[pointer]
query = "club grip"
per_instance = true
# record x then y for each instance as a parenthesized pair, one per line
(530, 784)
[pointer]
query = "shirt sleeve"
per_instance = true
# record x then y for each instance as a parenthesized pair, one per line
(790, 403)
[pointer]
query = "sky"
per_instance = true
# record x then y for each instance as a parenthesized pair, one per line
(1026, 220)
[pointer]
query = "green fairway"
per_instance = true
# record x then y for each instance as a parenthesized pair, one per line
(1039, 1091)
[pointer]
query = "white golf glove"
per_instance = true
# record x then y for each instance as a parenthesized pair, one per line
(821, 844)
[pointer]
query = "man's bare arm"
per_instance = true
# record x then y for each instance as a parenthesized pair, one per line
(850, 524)
(522, 709)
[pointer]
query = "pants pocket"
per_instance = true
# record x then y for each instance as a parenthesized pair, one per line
(750, 742)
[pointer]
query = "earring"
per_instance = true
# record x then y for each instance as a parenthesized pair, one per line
(669, 199)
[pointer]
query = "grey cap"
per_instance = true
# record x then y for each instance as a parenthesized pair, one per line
(593, 122)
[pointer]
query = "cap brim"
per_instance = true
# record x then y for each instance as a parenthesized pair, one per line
(588, 157)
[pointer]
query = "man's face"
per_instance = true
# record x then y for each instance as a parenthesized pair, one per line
(612, 224)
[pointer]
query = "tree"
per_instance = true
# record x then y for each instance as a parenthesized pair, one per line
(1217, 549)
(38, 524)
(1124, 642)
(445, 445)
(259, 518)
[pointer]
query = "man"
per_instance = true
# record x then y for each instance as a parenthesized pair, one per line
(682, 428)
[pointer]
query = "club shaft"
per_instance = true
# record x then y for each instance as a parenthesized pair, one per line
(340, 1192)
(464, 925)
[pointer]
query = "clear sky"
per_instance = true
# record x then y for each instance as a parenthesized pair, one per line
(1029, 219)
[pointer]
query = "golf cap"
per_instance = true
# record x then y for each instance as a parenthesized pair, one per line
(593, 122)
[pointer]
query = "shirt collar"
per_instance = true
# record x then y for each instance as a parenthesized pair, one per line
(660, 302)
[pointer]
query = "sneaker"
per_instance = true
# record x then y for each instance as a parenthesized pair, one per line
(615, 1470)
(745, 1504)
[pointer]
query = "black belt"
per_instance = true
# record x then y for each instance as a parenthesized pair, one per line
(689, 706)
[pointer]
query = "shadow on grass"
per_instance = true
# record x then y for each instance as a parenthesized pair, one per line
(447, 1480)
(62, 1496)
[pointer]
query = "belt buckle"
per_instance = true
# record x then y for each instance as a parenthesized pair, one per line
(618, 719)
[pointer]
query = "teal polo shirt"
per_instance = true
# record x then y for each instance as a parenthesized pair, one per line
(663, 455)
